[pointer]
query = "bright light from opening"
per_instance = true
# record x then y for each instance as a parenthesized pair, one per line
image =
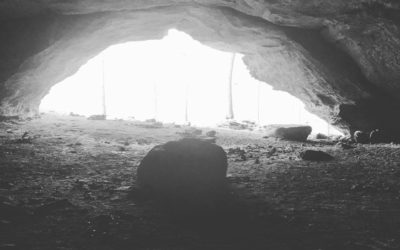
(155, 79)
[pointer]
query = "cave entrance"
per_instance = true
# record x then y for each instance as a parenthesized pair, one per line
(175, 79)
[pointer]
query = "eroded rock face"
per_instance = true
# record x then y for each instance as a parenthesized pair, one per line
(189, 166)
(341, 58)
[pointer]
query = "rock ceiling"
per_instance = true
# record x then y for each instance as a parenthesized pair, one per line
(341, 58)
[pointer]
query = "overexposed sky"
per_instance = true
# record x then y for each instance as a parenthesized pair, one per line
(154, 79)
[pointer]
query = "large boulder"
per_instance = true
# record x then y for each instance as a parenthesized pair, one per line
(289, 132)
(185, 166)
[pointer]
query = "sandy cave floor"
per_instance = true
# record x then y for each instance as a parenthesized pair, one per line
(72, 185)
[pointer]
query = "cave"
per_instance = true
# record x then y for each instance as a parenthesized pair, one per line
(168, 80)
(67, 182)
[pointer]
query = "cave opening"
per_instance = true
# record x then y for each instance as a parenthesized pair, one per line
(150, 179)
(175, 80)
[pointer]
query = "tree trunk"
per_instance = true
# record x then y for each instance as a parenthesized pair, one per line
(230, 98)
(187, 103)
(104, 89)
(258, 102)
(155, 89)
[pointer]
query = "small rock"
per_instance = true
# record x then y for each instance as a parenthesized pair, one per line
(151, 120)
(75, 115)
(208, 139)
(143, 141)
(25, 136)
(346, 139)
(9, 131)
(191, 133)
(374, 136)
(97, 117)
(335, 138)
(344, 145)
(115, 198)
(244, 125)
(321, 136)
(313, 155)
(289, 132)
(361, 137)
(211, 133)
(378, 136)
(237, 150)
(197, 132)
(237, 126)
(123, 188)
(271, 152)
(150, 124)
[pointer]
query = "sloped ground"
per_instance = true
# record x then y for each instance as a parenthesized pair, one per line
(70, 183)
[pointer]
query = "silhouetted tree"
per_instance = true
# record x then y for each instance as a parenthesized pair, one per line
(258, 101)
(230, 97)
(104, 88)
(187, 103)
(155, 100)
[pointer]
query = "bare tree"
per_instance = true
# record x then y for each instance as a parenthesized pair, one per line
(230, 97)
(258, 101)
(155, 89)
(104, 88)
(187, 103)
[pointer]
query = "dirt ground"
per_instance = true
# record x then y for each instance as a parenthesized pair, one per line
(70, 183)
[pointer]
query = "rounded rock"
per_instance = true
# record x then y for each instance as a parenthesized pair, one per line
(361, 137)
(188, 165)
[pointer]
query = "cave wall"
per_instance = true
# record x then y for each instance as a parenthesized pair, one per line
(341, 58)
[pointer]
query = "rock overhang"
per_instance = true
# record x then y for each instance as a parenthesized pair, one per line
(338, 57)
